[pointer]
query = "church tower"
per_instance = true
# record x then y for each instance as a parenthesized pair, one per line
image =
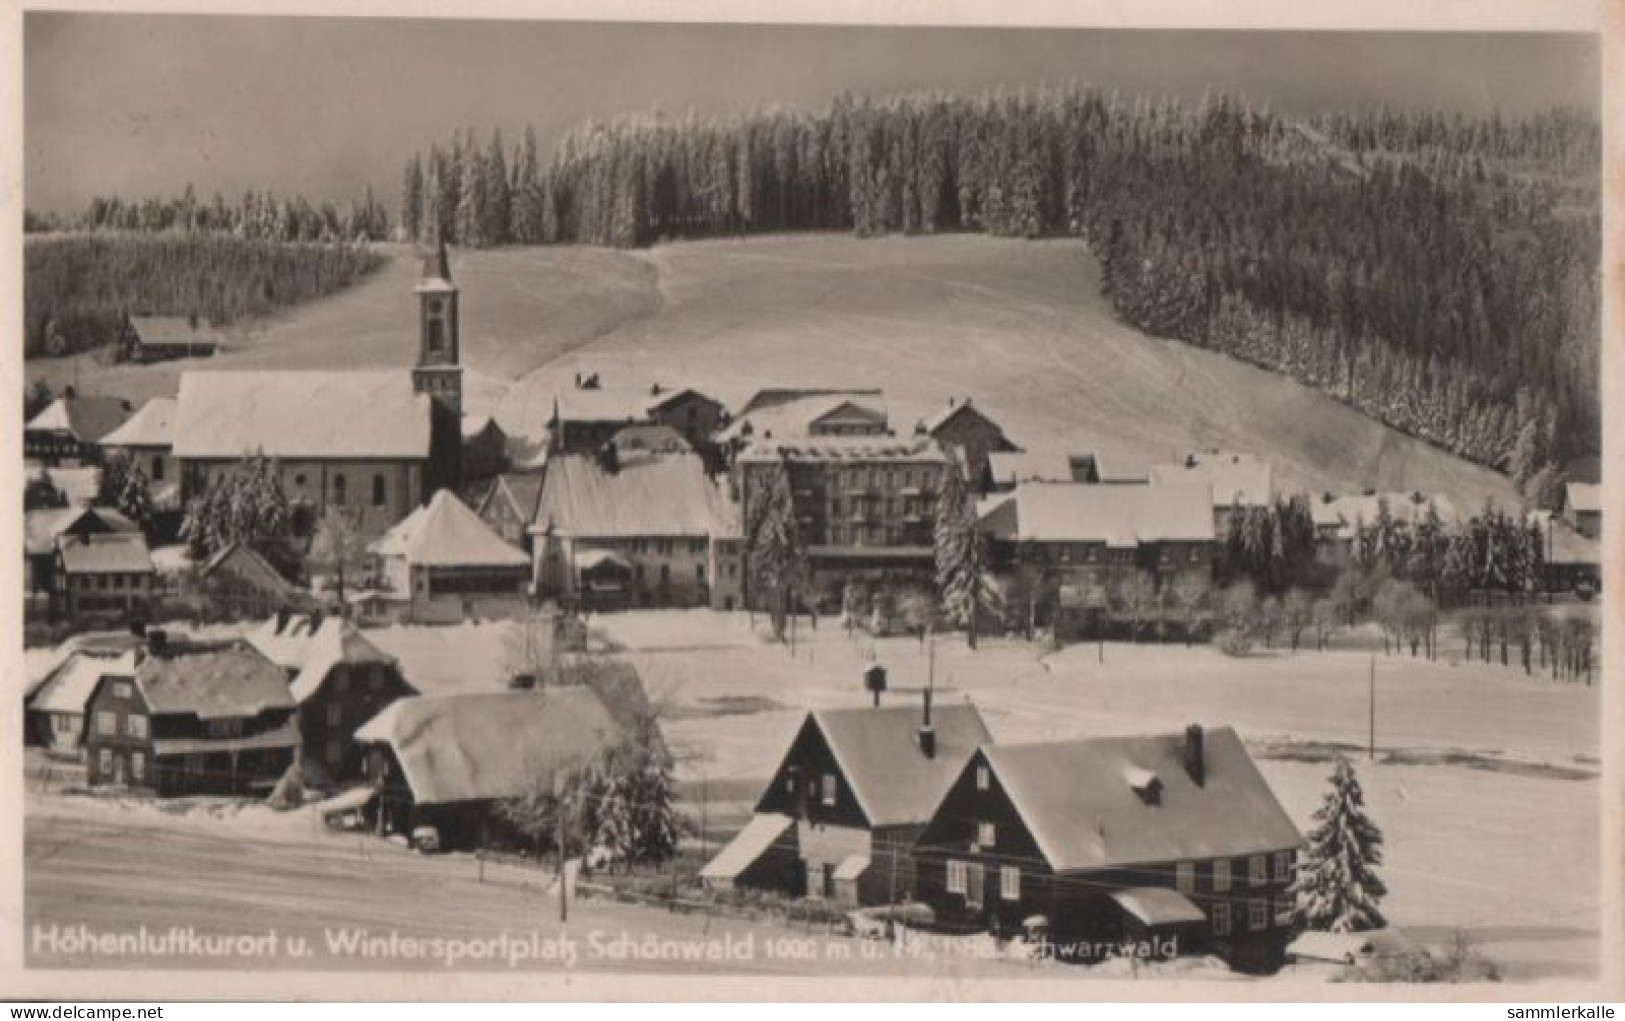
(439, 371)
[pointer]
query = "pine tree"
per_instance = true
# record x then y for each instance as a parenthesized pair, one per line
(412, 198)
(526, 213)
(134, 498)
(963, 578)
(1337, 887)
(775, 556)
(496, 198)
(471, 198)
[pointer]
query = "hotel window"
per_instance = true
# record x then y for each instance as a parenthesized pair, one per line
(1221, 919)
(135, 726)
(106, 722)
(1185, 877)
(138, 766)
(1221, 875)
(1258, 914)
(829, 789)
(379, 494)
(986, 834)
(956, 876)
(1283, 866)
(1010, 882)
(338, 490)
(1258, 870)
(983, 781)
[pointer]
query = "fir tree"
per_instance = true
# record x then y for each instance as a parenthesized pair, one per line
(775, 556)
(963, 578)
(1337, 887)
(134, 497)
(412, 199)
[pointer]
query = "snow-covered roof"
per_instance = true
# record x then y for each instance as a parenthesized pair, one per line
(1234, 479)
(88, 418)
(336, 641)
(647, 495)
(152, 426)
(1583, 497)
(854, 449)
(68, 687)
(793, 416)
(1120, 515)
(106, 553)
(445, 533)
(301, 414)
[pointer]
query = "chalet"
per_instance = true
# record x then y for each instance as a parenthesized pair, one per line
(1339, 520)
(509, 506)
(192, 719)
(441, 564)
(147, 439)
(1080, 534)
(147, 339)
(1236, 481)
(54, 711)
(1007, 469)
(840, 815)
(635, 533)
(794, 414)
(344, 681)
(379, 443)
(866, 504)
(1570, 561)
(104, 574)
(70, 430)
(966, 428)
(485, 448)
(44, 529)
(241, 581)
(1116, 839)
(446, 760)
(1582, 508)
(590, 414)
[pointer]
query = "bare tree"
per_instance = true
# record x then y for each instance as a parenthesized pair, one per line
(339, 546)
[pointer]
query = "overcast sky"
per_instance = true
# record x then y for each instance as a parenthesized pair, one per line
(142, 104)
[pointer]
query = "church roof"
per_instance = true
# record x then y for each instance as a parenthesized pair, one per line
(322, 415)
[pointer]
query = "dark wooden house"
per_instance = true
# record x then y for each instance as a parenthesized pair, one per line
(70, 430)
(1172, 837)
(964, 427)
(192, 719)
(856, 786)
(147, 339)
(345, 681)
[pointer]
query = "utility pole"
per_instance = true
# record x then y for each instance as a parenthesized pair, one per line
(561, 802)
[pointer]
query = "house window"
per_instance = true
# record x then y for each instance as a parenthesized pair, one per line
(136, 726)
(338, 489)
(699, 573)
(121, 689)
(956, 876)
(1196, 554)
(1010, 882)
(1185, 877)
(983, 781)
(157, 472)
(1283, 866)
(63, 723)
(104, 762)
(138, 766)
(1221, 919)
(380, 494)
(829, 789)
(106, 722)
(335, 714)
(986, 835)
(1221, 876)
(1257, 870)
(1258, 914)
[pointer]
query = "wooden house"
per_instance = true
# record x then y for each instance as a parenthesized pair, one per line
(1175, 838)
(965, 427)
(838, 819)
(485, 449)
(443, 564)
(147, 440)
(1582, 508)
(1237, 482)
(54, 710)
(509, 506)
(242, 581)
(103, 575)
(344, 681)
(70, 429)
(146, 339)
(192, 719)
(43, 529)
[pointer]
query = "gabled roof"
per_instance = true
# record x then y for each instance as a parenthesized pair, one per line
(878, 750)
(445, 533)
(792, 416)
(246, 563)
(605, 404)
(1583, 496)
(88, 418)
(671, 396)
(1233, 478)
(855, 449)
(106, 553)
(953, 410)
(520, 490)
(42, 528)
(1076, 801)
(322, 415)
(488, 745)
(474, 425)
(285, 642)
(1117, 515)
(221, 682)
(773, 396)
(336, 641)
(647, 495)
(152, 426)
(170, 330)
(1010, 468)
(79, 485)
(69, 686)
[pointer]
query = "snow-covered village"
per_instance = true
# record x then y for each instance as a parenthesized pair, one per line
(1012, 529)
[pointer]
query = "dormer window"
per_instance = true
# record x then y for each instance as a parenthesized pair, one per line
(1145, 783)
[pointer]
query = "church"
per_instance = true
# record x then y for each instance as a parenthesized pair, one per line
(377, 442)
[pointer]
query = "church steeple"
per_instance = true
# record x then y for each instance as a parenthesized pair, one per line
(439, 370)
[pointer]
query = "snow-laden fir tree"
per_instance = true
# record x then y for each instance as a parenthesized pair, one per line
(1337, 886)
(963, 578)
(775, 557)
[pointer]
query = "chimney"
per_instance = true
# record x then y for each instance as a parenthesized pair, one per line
(157, 641)
(928, 734)
(1195, 764)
